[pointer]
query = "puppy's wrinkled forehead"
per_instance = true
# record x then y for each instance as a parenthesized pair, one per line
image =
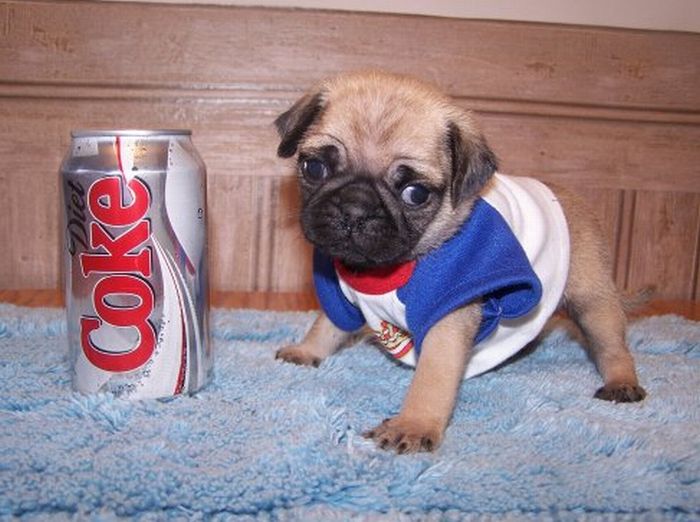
(382, 119)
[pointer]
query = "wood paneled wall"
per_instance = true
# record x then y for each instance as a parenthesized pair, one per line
(612, 113)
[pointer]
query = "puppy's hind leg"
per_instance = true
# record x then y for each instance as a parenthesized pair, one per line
(602, 322)
(594, 304)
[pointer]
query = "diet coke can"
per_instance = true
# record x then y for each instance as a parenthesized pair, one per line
(136, 263)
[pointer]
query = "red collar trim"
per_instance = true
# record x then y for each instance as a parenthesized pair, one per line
(376, 281)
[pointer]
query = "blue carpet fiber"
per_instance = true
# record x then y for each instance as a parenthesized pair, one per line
(272, 441)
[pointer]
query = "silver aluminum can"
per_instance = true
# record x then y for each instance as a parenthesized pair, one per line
(136, 263)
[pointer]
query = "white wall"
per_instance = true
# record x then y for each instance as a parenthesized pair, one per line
(676, 15)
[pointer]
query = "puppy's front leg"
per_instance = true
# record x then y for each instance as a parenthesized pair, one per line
(430, 400)
(323, 339)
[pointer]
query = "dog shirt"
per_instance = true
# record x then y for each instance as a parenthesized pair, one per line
(512, 253)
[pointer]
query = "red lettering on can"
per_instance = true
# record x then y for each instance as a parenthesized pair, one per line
(124, 258)
(118, 257)
(106, 201)
(120, 316)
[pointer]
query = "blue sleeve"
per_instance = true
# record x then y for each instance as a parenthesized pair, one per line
(339, 310)
(484, 260)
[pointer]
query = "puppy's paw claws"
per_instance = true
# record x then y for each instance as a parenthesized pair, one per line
(405, 435)
(297, 355)
(621, 393)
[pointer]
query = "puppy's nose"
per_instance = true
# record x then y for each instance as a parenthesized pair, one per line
(357, 203)
(358, 198)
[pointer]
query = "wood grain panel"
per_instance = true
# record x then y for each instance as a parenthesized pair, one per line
(624, 250)
(254, 238)
(597, 153)
(664, 242)
(238, 142)
(29, 229)
(256, 242)
(614, 114)
(608, 208)
(239, 139)
(233, 244)
(35, 133)
(696, 285)
(237, 136)
(696, 291)
(211, 47)
(291, 263)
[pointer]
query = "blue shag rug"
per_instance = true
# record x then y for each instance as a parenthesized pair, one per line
(273, 441)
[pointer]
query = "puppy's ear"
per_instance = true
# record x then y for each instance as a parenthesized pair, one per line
(473, 162)
(292, 125)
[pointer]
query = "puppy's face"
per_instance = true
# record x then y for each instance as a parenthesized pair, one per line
(388, 167)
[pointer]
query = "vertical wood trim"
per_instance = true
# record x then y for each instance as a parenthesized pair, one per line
(696, 271)
(664, 242)
(617, 250)
(264, 231)
(273, 230)
(628, 203)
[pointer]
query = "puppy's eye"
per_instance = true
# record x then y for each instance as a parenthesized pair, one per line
(415, 195)
(314, 170)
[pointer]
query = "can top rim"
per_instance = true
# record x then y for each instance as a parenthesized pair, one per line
(141, 133)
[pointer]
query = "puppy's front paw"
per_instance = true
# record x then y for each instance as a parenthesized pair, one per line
(406, 435)
(621, 393)
(298, 354)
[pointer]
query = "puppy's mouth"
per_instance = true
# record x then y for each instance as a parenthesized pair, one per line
(357, 226)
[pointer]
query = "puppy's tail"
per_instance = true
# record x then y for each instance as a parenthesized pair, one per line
(634, 301)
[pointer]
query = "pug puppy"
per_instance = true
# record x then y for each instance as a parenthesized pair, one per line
(455, 266)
